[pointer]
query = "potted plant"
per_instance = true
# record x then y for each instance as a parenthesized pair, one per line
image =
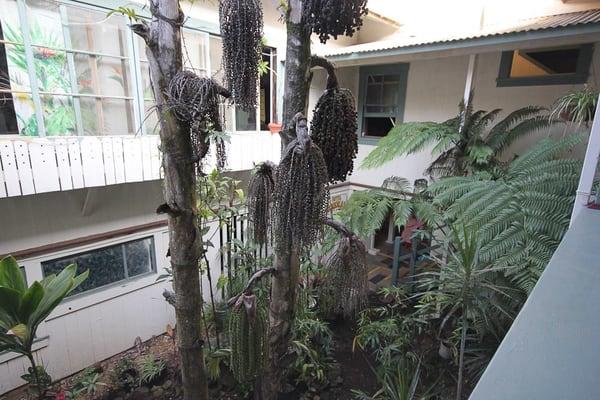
(577, 107)
(274, 127)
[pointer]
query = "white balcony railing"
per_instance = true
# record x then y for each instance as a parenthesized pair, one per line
(39, 165)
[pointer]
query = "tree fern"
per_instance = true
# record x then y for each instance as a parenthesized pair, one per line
(463, 144)
(522, 215)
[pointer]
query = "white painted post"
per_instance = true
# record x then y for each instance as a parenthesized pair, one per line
(590, 163)
(469, 79)
(391, 230)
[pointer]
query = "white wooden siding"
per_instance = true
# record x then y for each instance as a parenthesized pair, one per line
(38, 165)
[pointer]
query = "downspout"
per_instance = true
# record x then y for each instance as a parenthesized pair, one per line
(590, 163)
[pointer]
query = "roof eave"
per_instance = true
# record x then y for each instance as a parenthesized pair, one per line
(495, 40)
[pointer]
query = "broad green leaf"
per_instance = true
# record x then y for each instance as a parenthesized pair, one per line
(31, 299)
(10, 275)
(78, 280)
(19, 330)
(10, 301)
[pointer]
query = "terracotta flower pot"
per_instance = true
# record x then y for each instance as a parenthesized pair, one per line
(274, 127)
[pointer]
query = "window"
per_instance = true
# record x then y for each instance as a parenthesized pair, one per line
(108, 265)
(69, 73)
(246, 120)
(382, 93)
(548, 66)
(195, 58)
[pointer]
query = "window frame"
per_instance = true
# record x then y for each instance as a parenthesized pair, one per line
(386, 69)
(120, 282)
(581, 75)
(77, 302)
(134, 98)
(273, 97)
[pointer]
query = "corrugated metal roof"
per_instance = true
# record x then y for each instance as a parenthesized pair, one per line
(547, 22)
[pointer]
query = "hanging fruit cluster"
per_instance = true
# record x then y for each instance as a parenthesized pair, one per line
(334, 17)
(248, 324)
(194, 100)
(345, 286)
(300, 196)
(334, 129)
(241, 23)
(259, 200)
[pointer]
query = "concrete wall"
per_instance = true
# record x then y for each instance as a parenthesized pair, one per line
(434, 89)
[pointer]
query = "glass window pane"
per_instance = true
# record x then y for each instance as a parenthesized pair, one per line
(108, 37)
(106, 76)
(105, 266)
(374, 94)
(13, 68)
(390, 94)
(106, 116)
(45, 26)
(139, 257)
(216, 57)
(194, 52)
(59, 115)
(244, 120)
(151, 118)
(9, 21)
(51, 70)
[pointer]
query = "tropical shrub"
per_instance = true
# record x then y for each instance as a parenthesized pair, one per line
(23, 309)
(463, 144)
(522, 215)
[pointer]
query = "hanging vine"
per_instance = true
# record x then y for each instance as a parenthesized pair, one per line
(300, 196)
(241, 24)
(334, 17)
(248, 325)
(259, 200)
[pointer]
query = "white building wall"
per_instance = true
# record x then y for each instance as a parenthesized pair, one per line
(94, 326)
(434, 89)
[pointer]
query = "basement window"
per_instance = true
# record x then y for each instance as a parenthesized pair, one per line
(547, 66)
(108, 265)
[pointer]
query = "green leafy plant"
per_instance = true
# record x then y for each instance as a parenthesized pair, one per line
(23, 309)
(465, 292)
(88, 384)
(215, 360)
(38, 381)
(125, 374)
(401, 384)
(522, 215)
(577, 107)
(463, 144)
(151, 369)
(311, 345)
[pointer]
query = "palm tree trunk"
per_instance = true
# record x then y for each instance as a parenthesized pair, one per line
(287, 264)
(163, 38)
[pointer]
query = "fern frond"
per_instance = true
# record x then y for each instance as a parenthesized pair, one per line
(544, 150)
(403, 139)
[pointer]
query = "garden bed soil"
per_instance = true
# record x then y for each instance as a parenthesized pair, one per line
(352, 370)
